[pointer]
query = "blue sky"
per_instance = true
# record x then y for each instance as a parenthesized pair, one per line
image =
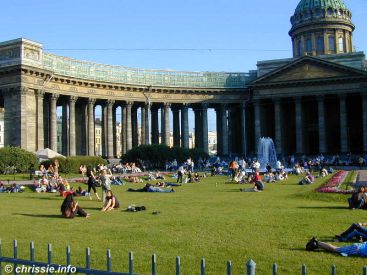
(258, 28)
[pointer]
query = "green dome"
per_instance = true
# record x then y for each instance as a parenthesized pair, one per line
(312, 11)
(321, 4)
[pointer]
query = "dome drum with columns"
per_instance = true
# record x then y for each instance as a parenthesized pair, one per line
(321, 27)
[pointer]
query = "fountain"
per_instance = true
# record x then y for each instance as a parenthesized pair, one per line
(266, 152)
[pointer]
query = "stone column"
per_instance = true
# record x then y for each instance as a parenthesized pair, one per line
(223, 127)
(364, 112)
(134, 126)
(299, 125)
(257, 122)
(114, 128)
(53, 122)
(104, 133)
(147, 128)
(128, 126)
(166, 140)
(163, 130)
(219, 115)
(110, 153)
(322, 128)
(344, 144)
(72, 135)
(40, 123)
(204, 125)
(243, 129)
(185, 142)
(64, 127)
(155, 125)
(123, 129)
(198, 131)
(278, 126)
(143, 125)
(176, 126)
(91, 140)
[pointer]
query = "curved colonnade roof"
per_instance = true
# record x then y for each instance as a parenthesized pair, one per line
(69, 67)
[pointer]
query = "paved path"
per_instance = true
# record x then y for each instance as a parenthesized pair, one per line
(361, 178)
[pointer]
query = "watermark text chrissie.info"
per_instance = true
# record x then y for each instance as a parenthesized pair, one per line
(24, 269)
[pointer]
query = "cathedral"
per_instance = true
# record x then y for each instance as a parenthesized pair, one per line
(314, 102)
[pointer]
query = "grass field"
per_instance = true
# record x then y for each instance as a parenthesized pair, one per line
(210, 219)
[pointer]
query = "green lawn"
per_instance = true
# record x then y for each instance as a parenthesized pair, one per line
(209, 219)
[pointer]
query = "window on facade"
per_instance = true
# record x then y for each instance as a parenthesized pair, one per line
(309, 45)
(341, 44)
(330, 12)
(299, 48)
(331, 43)
(320, 44)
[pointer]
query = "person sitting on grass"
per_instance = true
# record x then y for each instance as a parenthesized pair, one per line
(111, 202)
(358, 199)
(308, 179)
(2, 187)
(196, 177)
(357, 249)
(355, 231)
(258, 184)
(70, 208)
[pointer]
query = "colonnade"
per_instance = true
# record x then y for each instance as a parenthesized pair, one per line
(303, 126)
(78, 124)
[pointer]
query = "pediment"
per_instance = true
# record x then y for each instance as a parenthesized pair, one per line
(308, 68)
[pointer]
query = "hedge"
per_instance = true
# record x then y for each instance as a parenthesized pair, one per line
(157, 155)
(71, 164)
(16, 159)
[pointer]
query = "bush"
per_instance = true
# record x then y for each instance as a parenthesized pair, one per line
(16, 159)
(71, 164)
(156, 155)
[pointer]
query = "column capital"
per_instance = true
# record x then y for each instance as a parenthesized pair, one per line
(91, 101)
(204, 106)
(23, 91)
(54, 97)
(320, 98)
(342, 96)
(167, 105)
(244, 104)
(73, 99)
(110, 102)
(129, 103)
(40, 93)
(277, 99)
(297, 98)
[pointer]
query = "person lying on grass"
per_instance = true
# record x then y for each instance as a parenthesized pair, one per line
(111, 202)
(149, 188)
(166, 184)
(357, 249)
(70, 208)
(355, 231)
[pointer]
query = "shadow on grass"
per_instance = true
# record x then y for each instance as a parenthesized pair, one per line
(92, 208)
(38, 215)
(323, 207)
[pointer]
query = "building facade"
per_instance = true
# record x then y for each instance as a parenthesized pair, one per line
(314, 102)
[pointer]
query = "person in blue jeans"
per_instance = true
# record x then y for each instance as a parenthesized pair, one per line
(356, 230)
(149, 188)
(357, 249)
